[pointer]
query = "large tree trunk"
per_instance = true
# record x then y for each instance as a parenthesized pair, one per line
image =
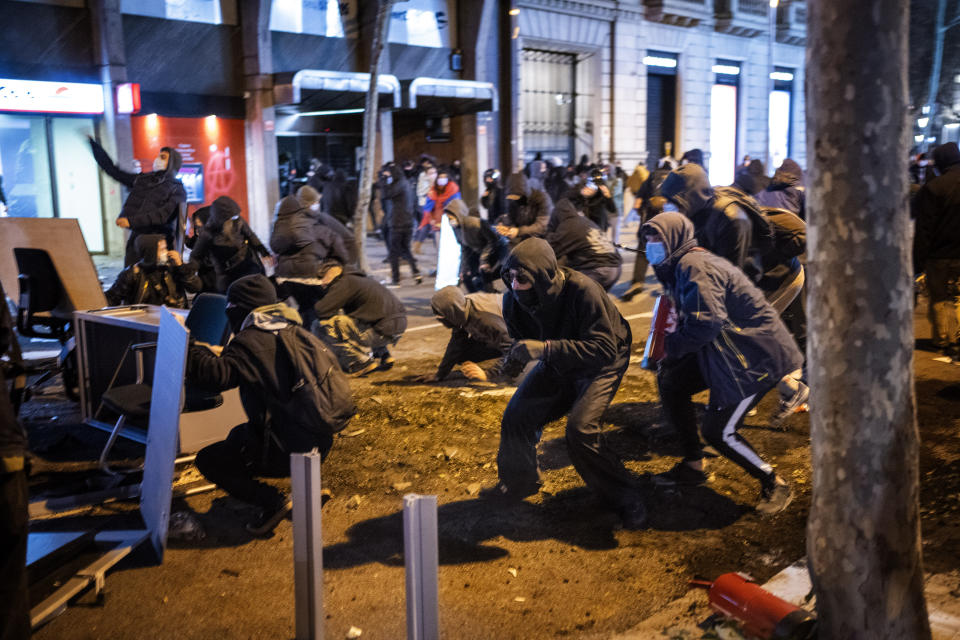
(863, 533)
(370, 117)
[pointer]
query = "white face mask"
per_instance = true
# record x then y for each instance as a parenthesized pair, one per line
(442, 182)
(159, 164)
(315, 206)
(162, 258)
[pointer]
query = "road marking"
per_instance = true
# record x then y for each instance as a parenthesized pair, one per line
(645, 314)
(424, 326)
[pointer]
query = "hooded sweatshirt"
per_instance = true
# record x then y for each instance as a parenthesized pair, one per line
(366, 301)
(577, 241)
(583, 328)
(479, 331)
(301, 243)
(149, 282)
(530, 214)
(478, 241)
(937, 210)
(155, 198)
(398, 199)
(742, 346)
(786, 190)
(231, 242)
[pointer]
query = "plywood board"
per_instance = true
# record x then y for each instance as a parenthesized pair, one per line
(63, 240)
(165, 405)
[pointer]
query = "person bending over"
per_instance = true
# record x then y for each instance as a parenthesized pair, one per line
(160, 277)
(259, 361)
(567, 323)
(235, 248)
(725, 337)
(580, 244)
(482, 250)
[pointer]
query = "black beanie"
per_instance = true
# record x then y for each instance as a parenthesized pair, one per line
(946, 155)
(250, 292)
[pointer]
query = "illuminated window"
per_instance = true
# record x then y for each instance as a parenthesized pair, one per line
(422, 23)
(314, 17)
(779, 119)
(209, 11)
(723, 122)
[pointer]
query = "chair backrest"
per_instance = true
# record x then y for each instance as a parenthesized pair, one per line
(46, 290)
(207, 320)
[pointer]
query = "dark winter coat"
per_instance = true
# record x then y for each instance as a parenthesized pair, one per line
(597, 207)
(492, 200)
(479, 243)
(301, 243)
(206, 268)
(364, 300)
(399, 198)
(650, 189)
(722, 226)
(741, 344)
(235, 248)
(577, 241)
(148, 282)
(477, 321)
(786, 190)
(255, 361)
(340, 197)
(937, 210)
(346, 235)
(583, 328)
(155, 199)
(530, 214)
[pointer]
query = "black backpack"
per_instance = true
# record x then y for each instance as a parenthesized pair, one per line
(320, 398)
(789, 231)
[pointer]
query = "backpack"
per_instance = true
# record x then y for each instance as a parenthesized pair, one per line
(320, 398)
(789, 231)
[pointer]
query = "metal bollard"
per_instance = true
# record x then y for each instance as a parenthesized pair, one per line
(307, 545)
(422, 559)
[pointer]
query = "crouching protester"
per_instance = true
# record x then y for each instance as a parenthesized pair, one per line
(359, 319)
(567, 323)
(292, 390)
(159, 277)
(724, 337)
(478, 334)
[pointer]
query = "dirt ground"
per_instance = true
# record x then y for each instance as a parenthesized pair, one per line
(556, 565)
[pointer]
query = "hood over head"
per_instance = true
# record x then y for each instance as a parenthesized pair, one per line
(677, 232)
(565, 210)
(694, 155)
(748, 181)
(458, 209)
(250, 292)
(946, 155)
(449, 305)
(517, 185)
(689, 187)
(788, 174)
(288, 206)
(535, 258)
(222, 209)
(272, 317)
(146, 246)
(202, 214)
(174, 163)
(307, 195)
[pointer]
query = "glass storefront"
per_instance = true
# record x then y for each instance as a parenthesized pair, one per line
(48, 171)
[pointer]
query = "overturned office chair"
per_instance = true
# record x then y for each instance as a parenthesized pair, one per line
(207, 322)
(39, 309)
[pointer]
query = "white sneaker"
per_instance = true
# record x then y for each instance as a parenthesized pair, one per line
(789, 406)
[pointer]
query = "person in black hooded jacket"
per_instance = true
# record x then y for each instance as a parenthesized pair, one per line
(492, 198)
(723, 336)
(567, 324)
(234, 247)
(528, 211)
(580, 244)
(157, 202)
(300, 243)
(397, 195)
(594, 199)
(206, 269)
(786, 190)
(160, 277)
(309, 199)
(340, 197)
(482, 250)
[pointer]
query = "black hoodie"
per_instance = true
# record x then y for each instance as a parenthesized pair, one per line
(155, 198)
(937, 208)
(577, 241)
(478, 327)
(398, 199)
(301, 243)
(478, 241)
(363, 299)
(584, 329)
(231, 242)
(742, 346)
(786, 190)
(149, 282)
(530, 214)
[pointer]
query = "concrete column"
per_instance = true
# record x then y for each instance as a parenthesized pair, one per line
(509, 84)
(114, 130)
(263, 187)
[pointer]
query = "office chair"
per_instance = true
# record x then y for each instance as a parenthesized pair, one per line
(207, 322)
(41, 295)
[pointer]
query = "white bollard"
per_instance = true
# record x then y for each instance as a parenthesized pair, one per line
(307, 545)
(422, 560)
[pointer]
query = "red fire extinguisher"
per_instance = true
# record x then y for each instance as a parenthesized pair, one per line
(654, 351)
(760, 613)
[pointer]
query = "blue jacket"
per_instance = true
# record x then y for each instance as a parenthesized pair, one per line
(741, 344)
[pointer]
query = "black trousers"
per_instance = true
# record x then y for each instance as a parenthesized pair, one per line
(400, 248)
(545, 396)
(234, 464)
(14, 596)
(678, 381)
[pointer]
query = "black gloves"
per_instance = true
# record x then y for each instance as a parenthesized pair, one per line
(527, 350)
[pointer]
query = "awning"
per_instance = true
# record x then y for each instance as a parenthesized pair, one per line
(320, 90)
(443, 97)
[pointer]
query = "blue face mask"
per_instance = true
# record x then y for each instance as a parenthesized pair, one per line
(656, 252)
(670, 206)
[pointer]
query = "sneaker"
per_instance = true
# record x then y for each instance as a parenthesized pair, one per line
(634, 517)
(386, 362)
(364, 368)
(503, 493)
(789, 406)
(417, 278)
(633, 291)
(267, 519)
(681, 474)
(390, 284)
(774, 499)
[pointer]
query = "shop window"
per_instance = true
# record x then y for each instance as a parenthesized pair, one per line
(314, 17)
(723, 122)
(781, 106)
(209, 11)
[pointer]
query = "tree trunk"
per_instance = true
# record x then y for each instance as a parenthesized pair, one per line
(863, 533)
(370, 117)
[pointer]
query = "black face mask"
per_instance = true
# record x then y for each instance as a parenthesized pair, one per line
(514, 207)
(526, 297)
(236, 316)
